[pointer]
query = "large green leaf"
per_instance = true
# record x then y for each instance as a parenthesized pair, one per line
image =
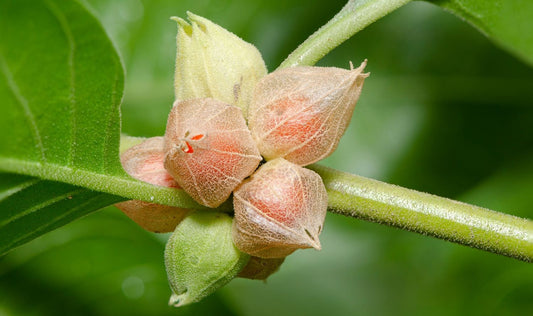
(508, 22)
(60, 91)
(31, 207)
(61, 84)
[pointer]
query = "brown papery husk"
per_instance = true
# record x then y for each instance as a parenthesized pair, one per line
(209, 149)
(279, 209)
(145, 162)
(300, 113)
(260, 268)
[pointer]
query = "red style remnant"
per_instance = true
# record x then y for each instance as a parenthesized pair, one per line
(145, 162)
(300, 113)
(279, 209)
(188, 148)
(209, 149)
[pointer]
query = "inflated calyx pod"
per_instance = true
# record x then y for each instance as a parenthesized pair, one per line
(260, 268)
(200, 257)
(145, 162)
(300, 113)
(279, 209)
(213, 62)
(209, 149)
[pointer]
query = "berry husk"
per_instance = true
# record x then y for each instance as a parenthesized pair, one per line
(279, 209)
(260, 268)
(300, 113)
(145, 162)
(209, 149)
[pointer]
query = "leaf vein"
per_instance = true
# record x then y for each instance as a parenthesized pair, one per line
(108, 147)
(60, 17)
(38, 206)
(44, 228)
(25, 106)
(19, 187)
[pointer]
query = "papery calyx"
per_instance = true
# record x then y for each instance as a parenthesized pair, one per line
(279, 209)
(209, 149)
(144, 162)
(213, 62)
(300, 113)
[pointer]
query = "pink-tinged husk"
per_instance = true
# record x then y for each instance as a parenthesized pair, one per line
(145, 162)
(209, 149)
(153, 217)
(260, 268)
(279, 209)
(300, 113)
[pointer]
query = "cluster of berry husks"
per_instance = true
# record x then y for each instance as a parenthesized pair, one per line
(228, 117)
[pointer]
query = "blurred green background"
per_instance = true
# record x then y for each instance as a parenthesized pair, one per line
(445, 111)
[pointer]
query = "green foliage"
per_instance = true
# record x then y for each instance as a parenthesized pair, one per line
(507, 22)
(100, 265)
(444, 112)
(54, 105)
(61, 84)
(31, 207)
(61, 90)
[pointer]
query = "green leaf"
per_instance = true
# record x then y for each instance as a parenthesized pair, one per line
(61, 91)
(61, 84)
(103, 264)
(508, 22)
(31, 207)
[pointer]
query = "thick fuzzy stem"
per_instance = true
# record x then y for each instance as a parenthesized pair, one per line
(454, 221)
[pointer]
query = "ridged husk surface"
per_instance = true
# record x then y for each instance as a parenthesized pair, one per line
(145, 162)
(200, 257)
(279, 209)
(300, 113)
(209, 149)
(212, 62)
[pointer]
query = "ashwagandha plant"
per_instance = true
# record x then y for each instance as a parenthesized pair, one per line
(59, 152)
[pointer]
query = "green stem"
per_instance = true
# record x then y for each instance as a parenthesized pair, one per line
(427, 214)
(354, 16)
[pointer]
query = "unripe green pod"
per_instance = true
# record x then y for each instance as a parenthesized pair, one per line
(279, 209)
(144, 162)
(209, 149)
(200, 257)
(213, 62)
(300, 113)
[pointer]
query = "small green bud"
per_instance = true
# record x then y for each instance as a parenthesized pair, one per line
(213, 62)
(200, 257)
